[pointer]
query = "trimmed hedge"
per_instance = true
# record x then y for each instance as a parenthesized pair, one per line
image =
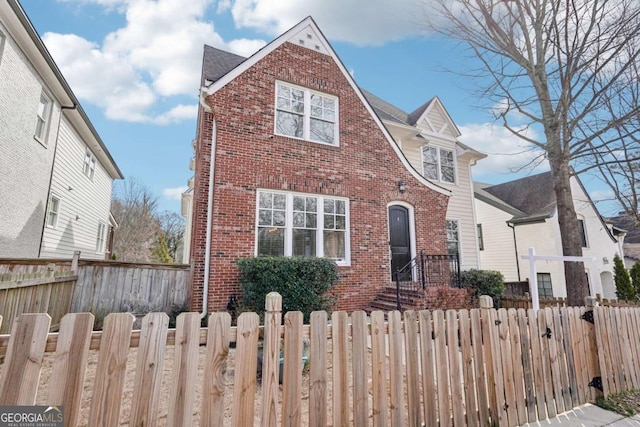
(485, 282)
(305, 283)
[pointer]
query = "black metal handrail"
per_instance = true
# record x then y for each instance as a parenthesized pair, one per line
(426, 270)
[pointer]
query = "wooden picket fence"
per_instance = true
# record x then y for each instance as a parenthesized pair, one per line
(475, 367)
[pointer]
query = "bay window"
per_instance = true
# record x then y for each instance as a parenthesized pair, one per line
(296, 224)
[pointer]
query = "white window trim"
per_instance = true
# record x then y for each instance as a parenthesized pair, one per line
(307, 114)
(101, 237)
(46, 119)
(55, 225)
(288, 234)
(89, 166)
(439, 165)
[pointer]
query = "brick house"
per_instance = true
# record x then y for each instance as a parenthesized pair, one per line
(291, 159)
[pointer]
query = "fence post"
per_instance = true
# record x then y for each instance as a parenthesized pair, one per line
(74, 262)
(271, 358)
(492, 359)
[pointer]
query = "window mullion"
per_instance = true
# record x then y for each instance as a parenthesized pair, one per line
(320, 229)
(307, 115)
(288, 226)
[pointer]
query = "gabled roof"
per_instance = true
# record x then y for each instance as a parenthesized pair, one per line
(626, 223)
(307, 34)
(529, 199)
(25, 35)
(216, 63)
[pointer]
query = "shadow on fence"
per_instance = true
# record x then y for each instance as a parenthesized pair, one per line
(469, 367)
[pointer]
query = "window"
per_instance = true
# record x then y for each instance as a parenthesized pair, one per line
(44, 111)
(294, 224)
(453, 237)
(583, 234)
(100, 239)
(545, 290)
(438, 164)
(53, 212)
(480, 238)
(89, 164)
(305, 114)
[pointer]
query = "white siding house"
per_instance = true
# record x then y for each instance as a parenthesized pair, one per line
(521, 214)
(429, 140)
(49, 208)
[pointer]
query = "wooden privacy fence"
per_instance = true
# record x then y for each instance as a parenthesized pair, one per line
(475, 367)
(44, 292)
(111, 286)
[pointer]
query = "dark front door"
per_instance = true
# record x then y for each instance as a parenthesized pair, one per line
(399, 241)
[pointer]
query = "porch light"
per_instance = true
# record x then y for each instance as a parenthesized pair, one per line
(401, 186)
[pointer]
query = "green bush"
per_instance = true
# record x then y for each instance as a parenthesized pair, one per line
(624, 290)
(635, 278)
(485, 282)
(304, 283)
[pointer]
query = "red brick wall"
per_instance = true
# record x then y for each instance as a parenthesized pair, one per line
(364, 168)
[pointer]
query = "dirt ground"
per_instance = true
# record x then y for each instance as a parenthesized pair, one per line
(46, 381)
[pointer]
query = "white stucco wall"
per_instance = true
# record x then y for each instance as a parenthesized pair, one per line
(25, 163)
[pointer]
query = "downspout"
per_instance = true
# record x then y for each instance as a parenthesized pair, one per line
(207, 254)
(512, 226)
(53, 164)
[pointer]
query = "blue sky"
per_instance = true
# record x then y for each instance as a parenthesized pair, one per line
(135, 66)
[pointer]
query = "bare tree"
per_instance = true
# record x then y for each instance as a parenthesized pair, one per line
(172, 225)
(558, 64)
(134, 208)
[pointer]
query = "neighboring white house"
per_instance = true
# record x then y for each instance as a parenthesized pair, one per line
(631, 240)
(56, 174)
(428, 138)
(520, 214)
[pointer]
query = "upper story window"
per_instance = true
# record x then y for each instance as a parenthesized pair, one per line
(438, 164)
(89, 164)
(53, 211)
(583, 233)
(100, 239)
(42, 120)
(453, 237)
(306, 114)
(294, 224)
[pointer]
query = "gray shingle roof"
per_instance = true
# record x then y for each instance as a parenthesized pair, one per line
(626, 223)
(216, 63)
(528, 199)
(384, 110)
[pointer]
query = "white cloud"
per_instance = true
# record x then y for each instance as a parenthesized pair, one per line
(177, 114)
(506, 153)
(157, 53)
(174, 193)
(363, 22)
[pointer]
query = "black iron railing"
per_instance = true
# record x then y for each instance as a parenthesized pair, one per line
(426, 271)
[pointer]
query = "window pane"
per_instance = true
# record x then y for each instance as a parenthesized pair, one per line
(298, 219)
(284, 91)
(312, 220)
(304, 242)
(266, 200)
(322, 131)
(448, 174)
(279, 218)
(312, 204)
(284, 104)
(264, 217)
(340, 206)
(430, 171)
(329, 222)
(279, 201)
(316, 100)
(453, 239)
(298, 203)
(446, 157)
(340, 223)
(430, 154)
(328, 206)
(271, 241)
(289, 124)
(334, 245)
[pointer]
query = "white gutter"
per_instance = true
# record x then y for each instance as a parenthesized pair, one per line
(207, 254)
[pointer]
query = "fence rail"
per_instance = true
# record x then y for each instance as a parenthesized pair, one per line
(470, 367)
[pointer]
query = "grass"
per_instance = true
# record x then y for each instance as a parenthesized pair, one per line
(626, 403)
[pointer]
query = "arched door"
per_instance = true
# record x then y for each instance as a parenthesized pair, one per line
(399, 240)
